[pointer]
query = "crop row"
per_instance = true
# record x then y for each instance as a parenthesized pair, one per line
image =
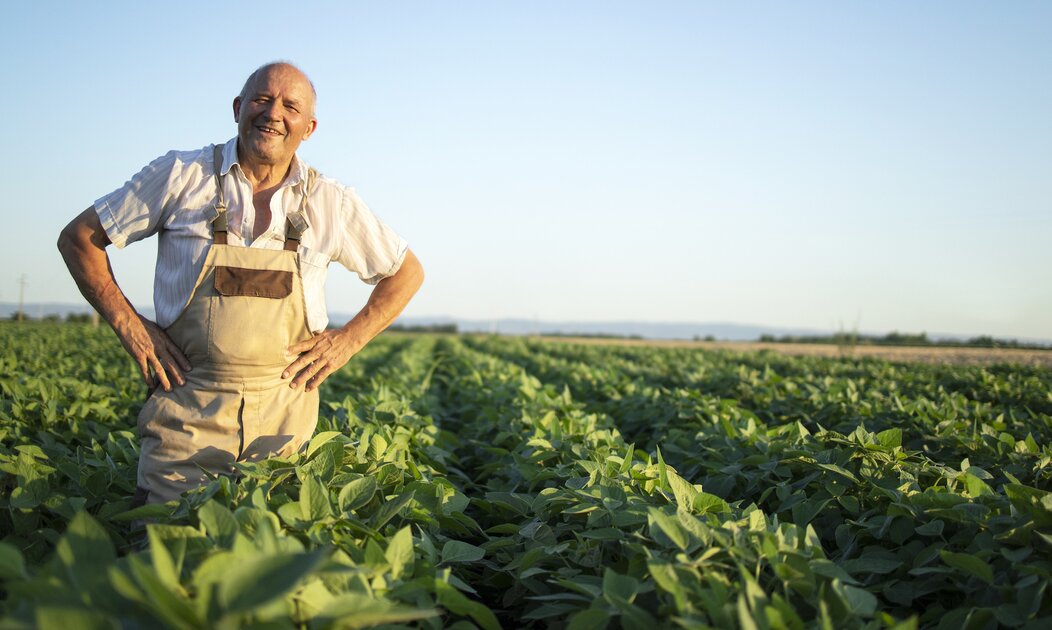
(486, 482)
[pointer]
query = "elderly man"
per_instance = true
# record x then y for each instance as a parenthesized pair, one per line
(245, 233)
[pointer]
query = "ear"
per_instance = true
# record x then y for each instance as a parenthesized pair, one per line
(310, 128)
(237, 108)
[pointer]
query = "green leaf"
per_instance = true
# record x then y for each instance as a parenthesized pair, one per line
(399, 551)
(805, 512)
(219, 523)
(148, 511)
(872, 563)
(1032, 501)
(548, 611)
(166, 604)
(388, 510)
(891, 438)
(666, 578)
(620, 586)
(318, 440)
(373, 553)
(972, 565)
(314, 500)
(590, 619)
(84, 549)
(975, 486)
(705, 503)
(603, 533)
(681, 489)
(626, 463)
(163, 565)
(458, 551)
(934, 528)
(828, 569)
(357, 493)
(356, 610)
(745, 617)
(68, 617)
(12, 565)
(454, 601)
(858, 600)
(840, 471)
(254, 581)
(669, 527)
(1031, 444)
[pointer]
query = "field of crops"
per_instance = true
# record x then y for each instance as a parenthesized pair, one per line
(493, 482)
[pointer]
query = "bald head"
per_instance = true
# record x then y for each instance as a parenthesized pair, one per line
(266, 68)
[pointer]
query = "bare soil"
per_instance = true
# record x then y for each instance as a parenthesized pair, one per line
(931, 354)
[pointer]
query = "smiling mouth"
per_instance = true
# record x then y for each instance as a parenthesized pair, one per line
(270, 131)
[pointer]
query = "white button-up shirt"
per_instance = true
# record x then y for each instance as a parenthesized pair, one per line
(174, 195)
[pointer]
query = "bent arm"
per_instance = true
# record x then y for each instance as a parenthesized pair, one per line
(83, 244)
(387, 300)
(330, 350)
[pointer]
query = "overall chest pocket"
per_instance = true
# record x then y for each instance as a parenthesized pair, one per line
(264, 283)
(250, 316)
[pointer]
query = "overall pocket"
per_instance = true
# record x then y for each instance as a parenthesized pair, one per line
(248, 316)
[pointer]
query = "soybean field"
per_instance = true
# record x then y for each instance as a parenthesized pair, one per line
(494, 482)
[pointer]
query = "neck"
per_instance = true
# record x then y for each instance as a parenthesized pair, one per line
(263, 176)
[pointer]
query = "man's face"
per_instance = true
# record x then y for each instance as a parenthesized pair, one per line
(275, 114)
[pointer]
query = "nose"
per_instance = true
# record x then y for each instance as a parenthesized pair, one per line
(270, 110)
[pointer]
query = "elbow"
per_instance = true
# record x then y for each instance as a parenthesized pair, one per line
(65, 240)
(416, 269)
(83, 232)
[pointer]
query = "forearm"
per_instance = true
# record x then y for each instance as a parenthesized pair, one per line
(386, 302)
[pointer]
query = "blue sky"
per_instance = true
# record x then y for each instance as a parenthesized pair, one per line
(879, 164)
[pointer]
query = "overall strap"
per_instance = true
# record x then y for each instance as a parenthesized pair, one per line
(219, 225)
(296, 223)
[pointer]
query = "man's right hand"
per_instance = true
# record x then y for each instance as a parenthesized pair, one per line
(160, 361)
(83, 246)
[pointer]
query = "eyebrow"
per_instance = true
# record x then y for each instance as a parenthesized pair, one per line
(269, 94)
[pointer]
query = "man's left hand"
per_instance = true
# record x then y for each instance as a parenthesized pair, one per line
(320, 356)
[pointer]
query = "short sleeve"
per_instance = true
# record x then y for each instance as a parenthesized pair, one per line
(368, 246)
(135, 210)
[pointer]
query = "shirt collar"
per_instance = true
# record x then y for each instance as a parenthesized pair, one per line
(297, 170)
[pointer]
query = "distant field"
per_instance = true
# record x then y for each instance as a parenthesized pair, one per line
(927, 354)
(488, 482)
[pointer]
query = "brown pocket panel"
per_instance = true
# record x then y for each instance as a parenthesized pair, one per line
(266, 283)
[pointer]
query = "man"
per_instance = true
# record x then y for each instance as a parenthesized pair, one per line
(245, 232)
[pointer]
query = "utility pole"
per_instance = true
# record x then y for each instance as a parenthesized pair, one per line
(21, 297)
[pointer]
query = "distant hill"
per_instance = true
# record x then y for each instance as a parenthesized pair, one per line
(648, 330)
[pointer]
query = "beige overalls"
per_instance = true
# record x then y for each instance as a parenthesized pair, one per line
(247, 307)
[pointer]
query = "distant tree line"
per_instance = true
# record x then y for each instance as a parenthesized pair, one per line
(559, 333)
(896, 338)
(72, 318)
(429, 328)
